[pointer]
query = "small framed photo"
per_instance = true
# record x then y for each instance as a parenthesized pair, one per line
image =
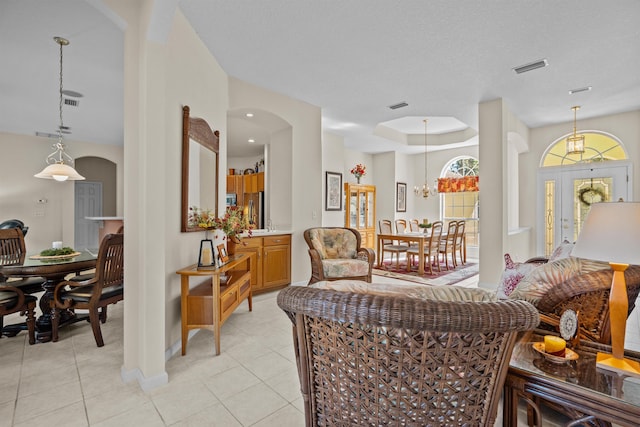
(222, 254)
(401, 196)
(207, 257)
(334, 191)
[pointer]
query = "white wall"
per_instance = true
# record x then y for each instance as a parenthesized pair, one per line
(332, 161)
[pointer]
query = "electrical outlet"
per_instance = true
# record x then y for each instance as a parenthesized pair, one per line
(38, 213)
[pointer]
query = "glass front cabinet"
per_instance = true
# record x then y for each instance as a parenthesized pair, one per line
(360, 211)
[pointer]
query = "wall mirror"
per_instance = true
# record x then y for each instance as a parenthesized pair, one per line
(200, 156)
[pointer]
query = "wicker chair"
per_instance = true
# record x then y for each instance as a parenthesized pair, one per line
(377, 360)
(588, 294)
(336, 254)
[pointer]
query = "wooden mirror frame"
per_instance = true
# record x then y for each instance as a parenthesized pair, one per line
(198, 130)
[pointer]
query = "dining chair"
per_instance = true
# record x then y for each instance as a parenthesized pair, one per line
(391, 246)
(447, 244)
(431, 249)
(107, 287)
(401, 226)
(13, 300)
(413, 225)
(367, 358)
(460, 243)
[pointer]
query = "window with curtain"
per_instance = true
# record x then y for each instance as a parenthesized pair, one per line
(460, 195)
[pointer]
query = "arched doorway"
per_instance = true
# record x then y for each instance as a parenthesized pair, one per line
(569, 183)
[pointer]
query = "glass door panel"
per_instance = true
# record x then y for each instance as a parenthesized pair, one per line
(362, 209)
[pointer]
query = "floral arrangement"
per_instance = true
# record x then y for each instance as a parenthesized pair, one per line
(232, 224)
(425, 225)
(359, 170)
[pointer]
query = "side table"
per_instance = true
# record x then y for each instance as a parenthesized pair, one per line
(581, 389)
(208, 304)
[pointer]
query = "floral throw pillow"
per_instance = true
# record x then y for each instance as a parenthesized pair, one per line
(513, 273)
(562, 251)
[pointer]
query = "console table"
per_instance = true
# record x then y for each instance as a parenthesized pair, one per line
(580, 388)
(208, 304)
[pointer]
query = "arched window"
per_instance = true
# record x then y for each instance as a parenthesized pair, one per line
(461, 205)
(598, 147)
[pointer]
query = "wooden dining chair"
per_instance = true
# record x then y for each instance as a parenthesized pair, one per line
(431, 249)
(460, 244)
(13, 300)
(107, 287)
(391, 246)
(447, 244)
(413, 225)
(401, 226)
(12, 252)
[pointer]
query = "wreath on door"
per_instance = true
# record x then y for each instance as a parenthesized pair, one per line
(591, 195)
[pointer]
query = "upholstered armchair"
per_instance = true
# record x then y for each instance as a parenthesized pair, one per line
(336, 254)
(383, 359)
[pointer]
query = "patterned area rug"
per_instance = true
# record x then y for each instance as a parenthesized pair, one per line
(443, 277)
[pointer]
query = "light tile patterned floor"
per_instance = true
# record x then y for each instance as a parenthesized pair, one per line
(253, 382)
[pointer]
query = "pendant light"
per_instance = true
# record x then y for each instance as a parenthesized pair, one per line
(60, 163)
(424, 191)
(575, 143)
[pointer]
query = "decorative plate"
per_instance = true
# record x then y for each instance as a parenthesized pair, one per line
(568, 324)
(54, 257)
(248, 171)
(569, 354)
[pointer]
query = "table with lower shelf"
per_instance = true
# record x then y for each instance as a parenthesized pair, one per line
(578, 388)
(208, 304)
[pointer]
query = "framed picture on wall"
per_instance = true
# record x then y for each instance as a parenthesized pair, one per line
(401, 196)
(333, 187)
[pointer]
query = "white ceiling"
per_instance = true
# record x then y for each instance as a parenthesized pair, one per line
(353, 59)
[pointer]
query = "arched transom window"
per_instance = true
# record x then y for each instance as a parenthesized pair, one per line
(598, 147)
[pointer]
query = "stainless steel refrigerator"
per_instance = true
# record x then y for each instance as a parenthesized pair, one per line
(254, 203)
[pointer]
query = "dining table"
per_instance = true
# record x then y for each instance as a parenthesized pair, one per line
(419, 238)
(53, 270)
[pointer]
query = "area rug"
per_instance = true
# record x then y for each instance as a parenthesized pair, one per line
(444, 277)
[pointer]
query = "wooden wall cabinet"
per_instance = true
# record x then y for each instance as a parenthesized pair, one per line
(273, 260)
(208, 304)
(240, 184)
(360, 211)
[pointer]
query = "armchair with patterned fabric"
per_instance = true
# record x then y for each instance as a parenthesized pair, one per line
(336, 253)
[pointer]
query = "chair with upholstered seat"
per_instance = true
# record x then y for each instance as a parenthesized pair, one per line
(13, 300)
(413, 226)
(107, 287)
(378, 360)
(336, 253)
(431, 249)
(401, 226)
(391, 246)
(459, 247)
(448, 244)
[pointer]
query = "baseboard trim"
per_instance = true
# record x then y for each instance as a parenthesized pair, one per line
(146, 384)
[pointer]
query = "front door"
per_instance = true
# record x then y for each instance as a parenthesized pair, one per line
(568, 193)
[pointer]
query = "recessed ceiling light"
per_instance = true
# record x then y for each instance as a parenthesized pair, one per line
(249, 114)
(531, 66)
(251, 141)
(581, 89)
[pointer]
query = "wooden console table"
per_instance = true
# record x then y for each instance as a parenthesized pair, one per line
(208, 304)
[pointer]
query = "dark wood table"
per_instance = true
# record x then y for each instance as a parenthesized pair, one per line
(578, 387)
(53, 271)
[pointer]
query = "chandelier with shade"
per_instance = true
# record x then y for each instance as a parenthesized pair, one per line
(60, 164)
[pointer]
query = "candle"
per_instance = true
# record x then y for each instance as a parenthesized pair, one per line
(56, 245)
(206, 256)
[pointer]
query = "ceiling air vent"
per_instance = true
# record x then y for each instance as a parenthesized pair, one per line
(71, 102)
(582, 89)
(532, 66)
(398, 105)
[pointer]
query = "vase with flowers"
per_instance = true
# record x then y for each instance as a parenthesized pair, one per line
(233, 224)
(359, 171)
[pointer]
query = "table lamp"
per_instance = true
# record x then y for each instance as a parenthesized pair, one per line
(611, 233)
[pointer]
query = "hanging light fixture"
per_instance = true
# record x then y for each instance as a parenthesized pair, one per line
(424, 190)
(60, 163)
(575, 143)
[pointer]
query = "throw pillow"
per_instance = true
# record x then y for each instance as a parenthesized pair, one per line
(562, 251)
(513, 273)
(535, 285)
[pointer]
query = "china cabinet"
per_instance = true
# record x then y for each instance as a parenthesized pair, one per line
(360, 212)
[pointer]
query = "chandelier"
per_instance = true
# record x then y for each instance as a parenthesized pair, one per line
(575, 143)
(60, 164)
(424, 190)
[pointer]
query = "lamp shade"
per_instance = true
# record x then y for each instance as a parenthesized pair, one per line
(611, 233)
(59, 172)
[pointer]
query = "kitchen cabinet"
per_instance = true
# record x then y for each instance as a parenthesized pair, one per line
(241, 184)
(360, 211)
(273, 260)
